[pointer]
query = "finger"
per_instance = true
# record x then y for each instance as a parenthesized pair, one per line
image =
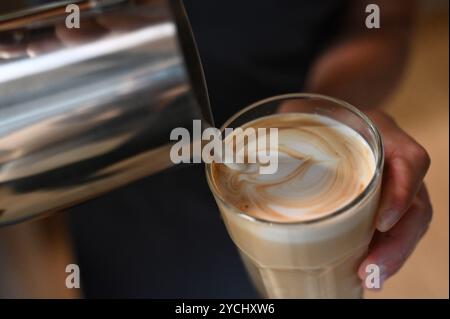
(406, 163)
(390, 250)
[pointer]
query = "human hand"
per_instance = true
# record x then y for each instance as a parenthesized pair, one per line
(405, 210)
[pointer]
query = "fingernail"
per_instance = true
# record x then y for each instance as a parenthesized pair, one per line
(387, 220)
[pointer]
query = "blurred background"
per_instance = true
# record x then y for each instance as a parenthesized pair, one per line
(421, 107)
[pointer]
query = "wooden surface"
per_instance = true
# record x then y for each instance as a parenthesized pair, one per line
(421, 106)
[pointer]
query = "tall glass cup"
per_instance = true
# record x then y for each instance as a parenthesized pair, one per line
(317, 258)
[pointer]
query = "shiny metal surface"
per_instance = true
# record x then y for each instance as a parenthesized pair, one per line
(84, 111)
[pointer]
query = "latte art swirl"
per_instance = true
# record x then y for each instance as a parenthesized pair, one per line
(322, 166)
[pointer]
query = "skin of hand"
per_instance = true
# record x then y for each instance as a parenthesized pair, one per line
(363, 67)
(405, 209)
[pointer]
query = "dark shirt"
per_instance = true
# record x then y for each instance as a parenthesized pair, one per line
(163, 237)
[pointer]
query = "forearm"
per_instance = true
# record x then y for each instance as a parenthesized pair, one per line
(364, 66)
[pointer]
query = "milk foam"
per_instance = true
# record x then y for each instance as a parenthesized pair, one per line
(322, 166)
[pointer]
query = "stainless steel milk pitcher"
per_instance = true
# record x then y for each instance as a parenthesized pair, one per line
(86, 110)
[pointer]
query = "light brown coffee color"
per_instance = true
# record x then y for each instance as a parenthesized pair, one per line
(322, 166)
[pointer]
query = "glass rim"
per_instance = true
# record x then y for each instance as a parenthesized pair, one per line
(371, 186)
